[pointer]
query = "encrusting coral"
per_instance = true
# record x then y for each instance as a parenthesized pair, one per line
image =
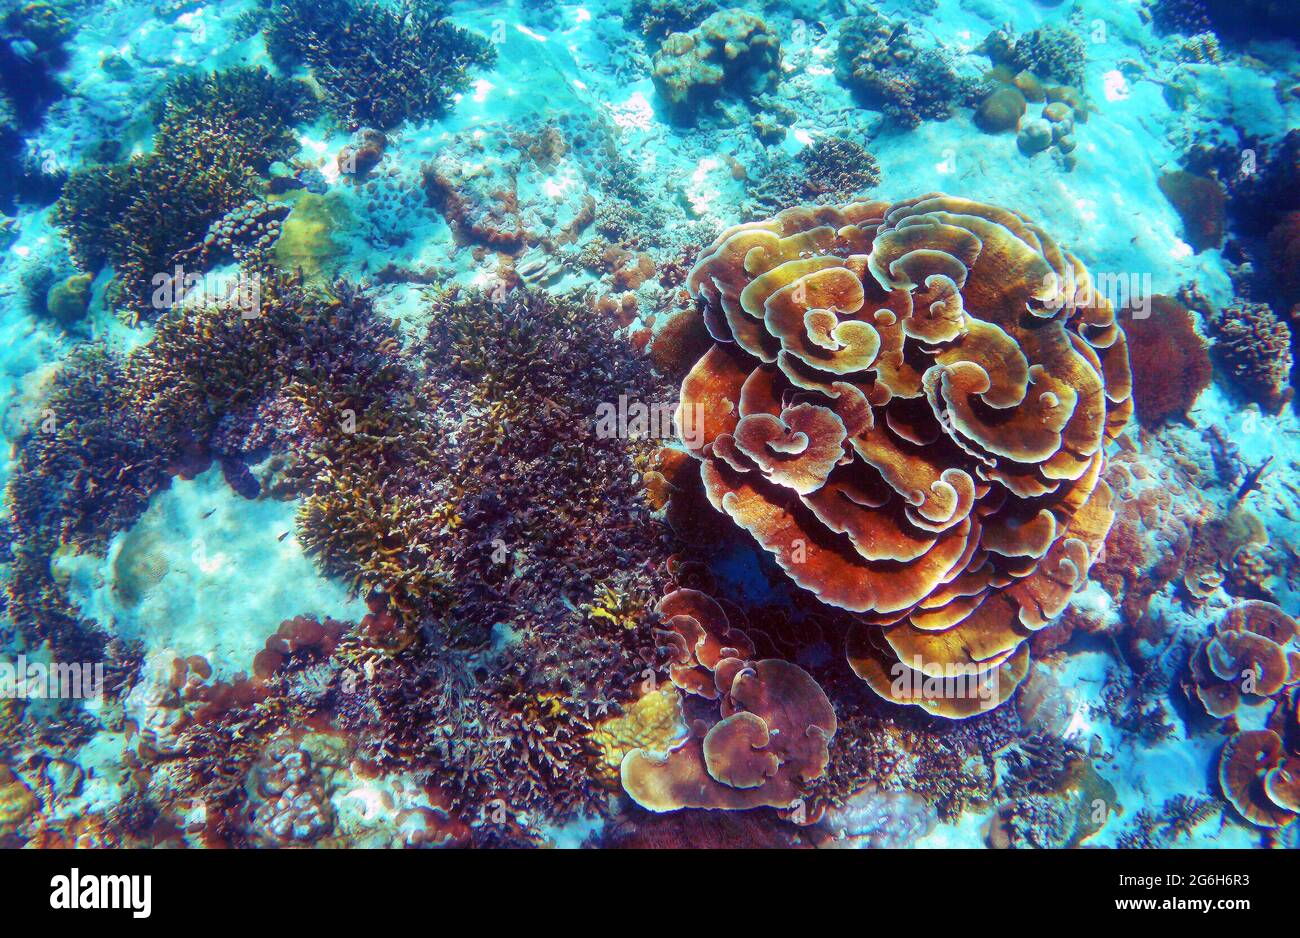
(906, 406)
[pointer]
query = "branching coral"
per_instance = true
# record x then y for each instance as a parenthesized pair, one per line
(906, 407)
(878, 59)
(149, 215)
(211, 383)
(1052, 53)
(378, 64)
(1254, 346)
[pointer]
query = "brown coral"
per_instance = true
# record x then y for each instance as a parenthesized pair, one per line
(1260, 778)
(773, 735)
(1254, 652)
(1254, 346)
(1202, 205)
(1170, 362)
(731, 51)
(906, 405)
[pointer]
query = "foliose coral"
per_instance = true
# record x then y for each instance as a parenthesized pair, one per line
(1254, 653)
(774, 730)
(906, 407)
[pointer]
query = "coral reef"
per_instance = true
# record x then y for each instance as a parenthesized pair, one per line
(897, 455)
(1202, 205)
(1261, 778)
(152, 214)
(1052, 53)
(378, 64)
(1170, 362)
(888, 71)
(1254, 346)
(774, 730)
(1253, 653)
(732, 52)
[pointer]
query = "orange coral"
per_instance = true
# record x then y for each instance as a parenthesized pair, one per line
(906, 405)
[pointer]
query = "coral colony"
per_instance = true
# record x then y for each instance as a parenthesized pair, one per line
(649, 423)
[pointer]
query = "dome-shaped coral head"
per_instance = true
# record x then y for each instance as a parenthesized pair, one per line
(907, 406)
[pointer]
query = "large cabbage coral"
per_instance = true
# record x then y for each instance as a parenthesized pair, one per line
(906, 406)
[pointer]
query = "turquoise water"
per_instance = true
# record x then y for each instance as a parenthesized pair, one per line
(404, 448)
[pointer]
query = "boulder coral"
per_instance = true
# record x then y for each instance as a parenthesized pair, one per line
(907, 405)
(731, 51)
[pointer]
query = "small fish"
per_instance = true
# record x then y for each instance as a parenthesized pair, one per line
(1251, 482)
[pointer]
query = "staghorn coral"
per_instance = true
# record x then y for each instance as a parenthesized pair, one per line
(152, 214)
(731, 52)
(210, 383)
(900, 456)
(378, 64)
(836, 169)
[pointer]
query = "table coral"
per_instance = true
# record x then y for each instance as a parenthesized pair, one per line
(906, 406)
